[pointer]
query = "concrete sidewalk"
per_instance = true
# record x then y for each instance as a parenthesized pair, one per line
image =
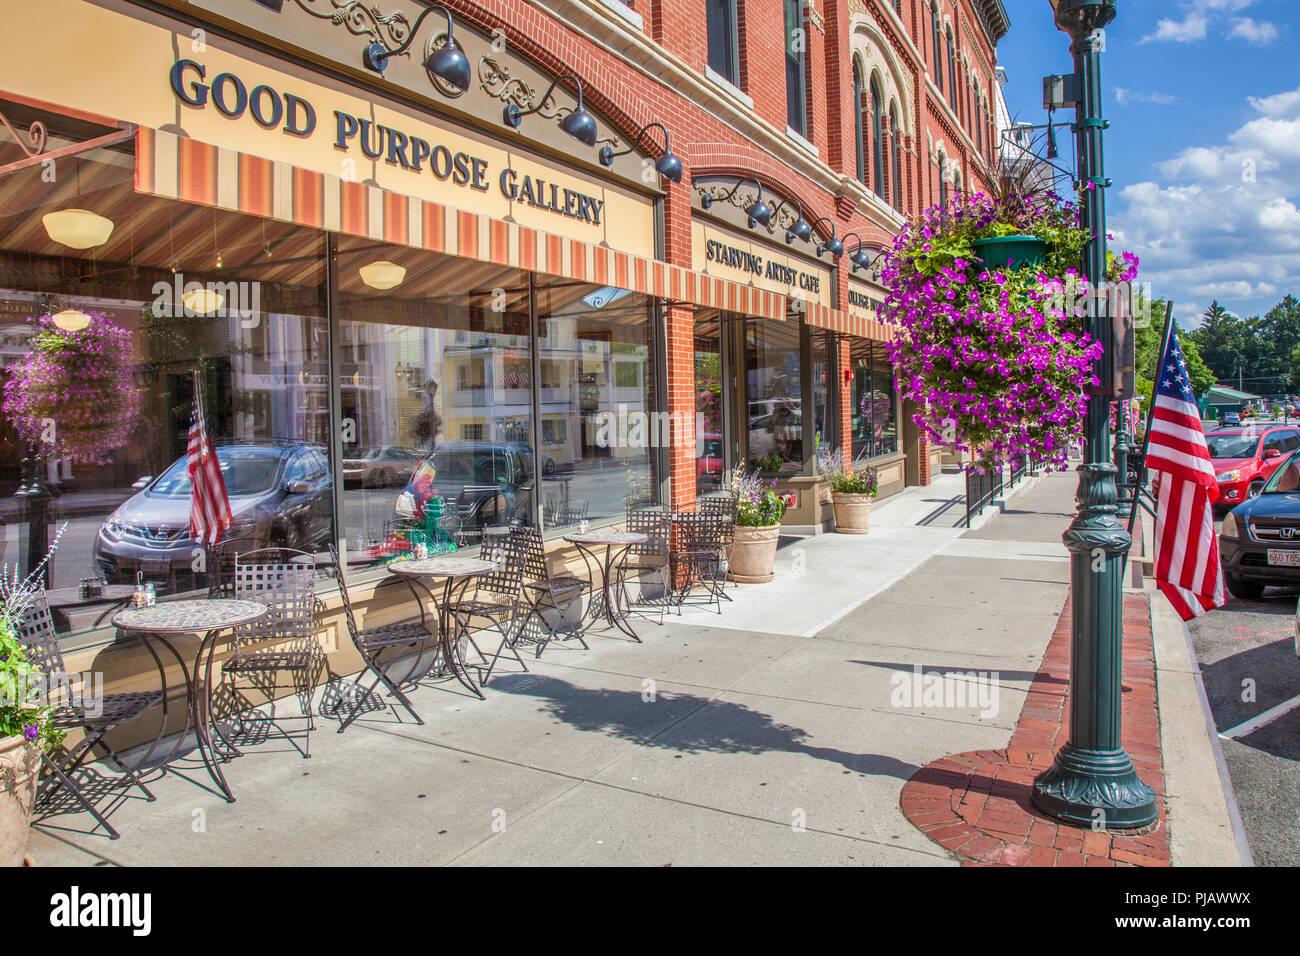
(773, 732)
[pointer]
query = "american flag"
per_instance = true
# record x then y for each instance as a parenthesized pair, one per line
(1187, 552)
(209, 503)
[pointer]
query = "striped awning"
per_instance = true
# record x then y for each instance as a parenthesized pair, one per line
(176, 167)
(847, 323)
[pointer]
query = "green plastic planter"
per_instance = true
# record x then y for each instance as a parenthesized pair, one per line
(1011, 252)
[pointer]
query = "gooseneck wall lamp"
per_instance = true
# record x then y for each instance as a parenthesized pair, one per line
(668, 165)
(448, 62)
(860, 258)
(801, 229)
(579, 124)
(832, 245)
(759, 212)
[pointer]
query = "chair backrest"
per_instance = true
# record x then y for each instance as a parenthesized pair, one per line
(339, 576)
(657, 526)
(532, 552)
(722, 506)
(37, 636)
(287, 587)
(698, 531)
(506, 551)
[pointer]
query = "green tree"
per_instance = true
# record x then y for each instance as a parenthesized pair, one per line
(1147, 341)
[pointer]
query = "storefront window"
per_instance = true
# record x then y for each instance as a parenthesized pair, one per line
(435, 398)
(98, 399)
(825, 414)
(874, 412)
(710, 454)
(774, 395)
(596, 402)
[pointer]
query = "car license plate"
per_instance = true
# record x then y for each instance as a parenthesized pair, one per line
(160, 566)
(1285, 559)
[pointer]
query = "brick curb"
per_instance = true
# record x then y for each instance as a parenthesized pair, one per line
(976, 805)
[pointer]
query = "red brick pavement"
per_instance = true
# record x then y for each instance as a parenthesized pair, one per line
(976, 805)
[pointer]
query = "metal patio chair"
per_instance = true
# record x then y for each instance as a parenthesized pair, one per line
(545, 594)
(724, 506)
(652, 557)
(37, 635)
(564, 515)
(697, 555)
(494, 598)
(284, 642)
(377, 645)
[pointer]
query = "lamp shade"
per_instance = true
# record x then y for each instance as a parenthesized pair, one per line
(450, 65)
(760, 212)
(383, 275)
(581, 125)
(71, 320)
(801, 230)
(669, 167)
(78, 228)
(834, 247)
(202, 301)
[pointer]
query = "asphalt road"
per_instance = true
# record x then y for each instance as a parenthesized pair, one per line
(1248, 657)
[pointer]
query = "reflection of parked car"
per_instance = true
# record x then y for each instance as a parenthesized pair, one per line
(1259, 542)
(280, 496)
(1244, 458)
(708, 464)
(485, 480)
(384, 467)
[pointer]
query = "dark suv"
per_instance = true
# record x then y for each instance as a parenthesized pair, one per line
(490, 483)
(1259, 541)
(280, 496)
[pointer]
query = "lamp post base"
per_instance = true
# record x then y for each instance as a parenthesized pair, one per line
(1095, 788)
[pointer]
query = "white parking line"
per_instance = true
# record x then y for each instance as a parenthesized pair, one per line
(1252, 725)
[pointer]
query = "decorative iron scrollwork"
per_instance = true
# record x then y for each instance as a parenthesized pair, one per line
(496, 80)
(37, 136)
(742, 199)
(390, 29)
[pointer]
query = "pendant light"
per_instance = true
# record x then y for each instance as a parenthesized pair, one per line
(383, 275)
(77, 228)
(71, 320)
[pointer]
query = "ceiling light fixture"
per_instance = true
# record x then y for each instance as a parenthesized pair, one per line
(202, 301)
(383, 275)
(71, 320)
(77, 228)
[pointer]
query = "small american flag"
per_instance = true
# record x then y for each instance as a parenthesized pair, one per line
(1187, 552)
(209, 503)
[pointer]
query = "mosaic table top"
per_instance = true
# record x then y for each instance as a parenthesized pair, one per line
(607, 537)
(190, 617)
(443, 566)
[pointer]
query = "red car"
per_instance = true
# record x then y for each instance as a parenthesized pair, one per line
(1244, 458)
(708, 464)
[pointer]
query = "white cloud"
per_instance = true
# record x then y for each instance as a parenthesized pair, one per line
(1126, 96)
(1253, 31)
(1191, 28)
(1223, 220)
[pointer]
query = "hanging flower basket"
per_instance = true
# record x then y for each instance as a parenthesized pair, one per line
(74, 397)
(990, 341)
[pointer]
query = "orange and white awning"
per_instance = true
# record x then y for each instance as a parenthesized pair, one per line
(848, 323)
(176, 167)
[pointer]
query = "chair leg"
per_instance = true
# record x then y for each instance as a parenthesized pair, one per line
(129, 773)
(66, 781)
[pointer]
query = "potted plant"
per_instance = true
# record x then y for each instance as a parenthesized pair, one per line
(994, 355)
(758, 528)
(851, 493)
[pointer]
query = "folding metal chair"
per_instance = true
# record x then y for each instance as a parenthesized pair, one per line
(545, 594)
(652, 557)
(283, 642)
(697, 555)
(723, 506)
(104, 714)
(373, 643)
(495, 597)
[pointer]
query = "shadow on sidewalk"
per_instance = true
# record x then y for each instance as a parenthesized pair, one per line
(706, 726)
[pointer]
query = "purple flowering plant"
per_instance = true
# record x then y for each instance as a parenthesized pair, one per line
(21, 711)
(757, 503)
(74, 396)
(996, 359)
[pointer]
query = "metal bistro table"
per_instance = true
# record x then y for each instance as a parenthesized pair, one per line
(209, 617)
(616, 544)
(457, 573)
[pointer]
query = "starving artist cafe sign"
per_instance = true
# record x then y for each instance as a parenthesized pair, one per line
(728, 256)
(368, 140)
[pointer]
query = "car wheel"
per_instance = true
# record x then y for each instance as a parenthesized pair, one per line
(1243, 589)
(385, 479)
(548, 468)
(1255, 488)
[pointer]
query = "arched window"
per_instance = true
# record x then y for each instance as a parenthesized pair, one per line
(938, 51)
(952, 74)
(877, 139)
(857, 123)
(943, 182)
(895, 141)
(977, 119)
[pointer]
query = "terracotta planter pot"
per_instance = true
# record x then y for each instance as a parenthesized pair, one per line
(852, 513)
(753, 554)
(19, 762)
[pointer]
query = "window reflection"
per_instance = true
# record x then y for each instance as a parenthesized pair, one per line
(774, 393)
(709, 442)
(874, 409)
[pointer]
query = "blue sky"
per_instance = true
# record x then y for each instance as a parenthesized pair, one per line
(1204, 146)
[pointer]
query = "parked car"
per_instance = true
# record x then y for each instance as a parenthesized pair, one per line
(1259, 541)
(709, 463)
(281, 495)
(488, 481)
(1230, 420)
(1244, 458)
(385, 467)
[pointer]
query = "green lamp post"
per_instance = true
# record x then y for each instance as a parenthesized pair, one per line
(1092, 781)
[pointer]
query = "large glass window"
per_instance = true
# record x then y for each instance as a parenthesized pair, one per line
(825, 406)
(710, 441)
(720, 23)
(873, 414)
(936, 45)
(102, 348)
(795, 40)
(774, 393)
(858, 129)
(597, 383)
(896, 142)
(877, 138)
